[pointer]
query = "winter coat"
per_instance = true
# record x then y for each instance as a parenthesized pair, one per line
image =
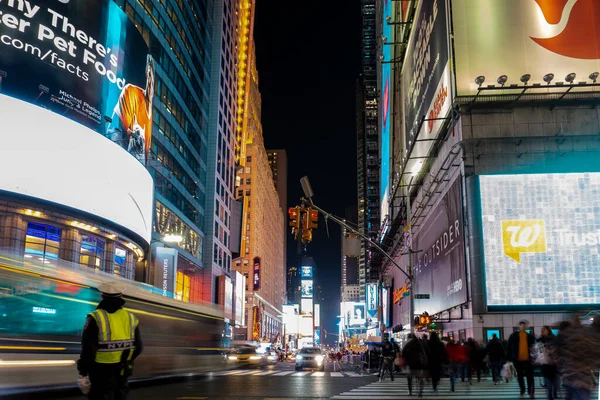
(456, 353)
(415, 355)
(512, 352)
(549, 369)
(495, 351)
(437, 354)
(577, 354)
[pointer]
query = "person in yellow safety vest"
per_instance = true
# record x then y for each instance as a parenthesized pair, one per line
(110, 342)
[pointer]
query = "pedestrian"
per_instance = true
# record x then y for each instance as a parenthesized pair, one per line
(110, 342)
(495, 353)
(437, 358)
(455, 356)
(519, 352)
(577, 353)
(388, 354)
(465, 364)
(416, 358)
(474, 360)
(547, 362)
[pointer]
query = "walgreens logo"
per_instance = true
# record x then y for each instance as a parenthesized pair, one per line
(574, 24)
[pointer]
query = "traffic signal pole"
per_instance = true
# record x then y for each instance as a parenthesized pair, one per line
(409, 275)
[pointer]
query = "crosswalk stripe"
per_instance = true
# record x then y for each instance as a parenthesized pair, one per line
(318, 374)
(249, 372)
(336, 374)
(231, 372)
(284, 373)
(352, 374)
(265, 373)
(301, 373)
(398, 390)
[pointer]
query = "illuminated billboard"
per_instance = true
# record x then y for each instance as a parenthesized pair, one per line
(256, 274)
(353, 313)
(306, 306)
(307, 288)
(556, 37)
(426, 81)
(385, 106)
(76, 87)
(83, 59)
(306, 272)
(372, 299)
(440, 268)
(541, 234)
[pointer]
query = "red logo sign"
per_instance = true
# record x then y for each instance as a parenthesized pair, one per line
(579, 38)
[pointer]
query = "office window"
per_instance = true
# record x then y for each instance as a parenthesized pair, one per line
(92, 252)
(42, 241)
(119, 262)
(249, 159)
(248, 192)
(248, 180)
(182, 287)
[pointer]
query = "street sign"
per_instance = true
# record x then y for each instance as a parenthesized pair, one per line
(421, 296)
(406, 294)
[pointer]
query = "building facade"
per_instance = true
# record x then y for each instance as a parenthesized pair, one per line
(368, 143)
(221, 146)
(262, 243)
(279, 167)
(492, 186)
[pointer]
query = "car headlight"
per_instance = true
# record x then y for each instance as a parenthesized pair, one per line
(255, 357)
(298, 357)
(272, 358)
(319, 359)
(232, 357)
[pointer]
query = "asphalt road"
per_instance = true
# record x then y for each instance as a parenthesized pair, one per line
(280, 381)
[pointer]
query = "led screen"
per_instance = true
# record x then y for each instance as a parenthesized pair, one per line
(307, 272)
(385, 83)
(306, 306)
(307, 288)
(541, 236)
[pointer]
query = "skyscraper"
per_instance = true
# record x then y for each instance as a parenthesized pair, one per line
(222, 124)
(262, 241)
(368, 143)
(278, 164)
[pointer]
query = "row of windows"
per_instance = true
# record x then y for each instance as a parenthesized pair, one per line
(175, 197)
(165, 128)
(222, 258)
(176, 78)
(170, 37)
(167, 222)
(172, 105)
(43, 242)
(168, 161)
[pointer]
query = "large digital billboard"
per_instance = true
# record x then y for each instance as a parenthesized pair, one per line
(440, 270)
(385, 107)
(426, 80)
(76, 89)
(541, 238)
(558, 37)
(307, 288)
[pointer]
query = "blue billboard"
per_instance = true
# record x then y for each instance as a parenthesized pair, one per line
(306, 272)
(385, 108)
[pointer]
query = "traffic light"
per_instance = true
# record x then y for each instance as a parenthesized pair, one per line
(313, 218)
(306, 236)
(294, 219)
(305, 222)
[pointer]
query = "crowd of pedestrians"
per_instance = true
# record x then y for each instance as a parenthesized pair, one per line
(568, 361)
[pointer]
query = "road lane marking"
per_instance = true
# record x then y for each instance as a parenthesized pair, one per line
(249, 372)
(232, 372)
(284, 373)
(336, 374)
(301, 373)
(318, 374)
(265, 373)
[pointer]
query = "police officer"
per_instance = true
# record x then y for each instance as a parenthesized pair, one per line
(109, 344)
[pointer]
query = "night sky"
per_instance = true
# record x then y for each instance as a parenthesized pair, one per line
(308, 57)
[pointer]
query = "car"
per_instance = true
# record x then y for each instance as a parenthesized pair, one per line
(246, 355)
(310, 357)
